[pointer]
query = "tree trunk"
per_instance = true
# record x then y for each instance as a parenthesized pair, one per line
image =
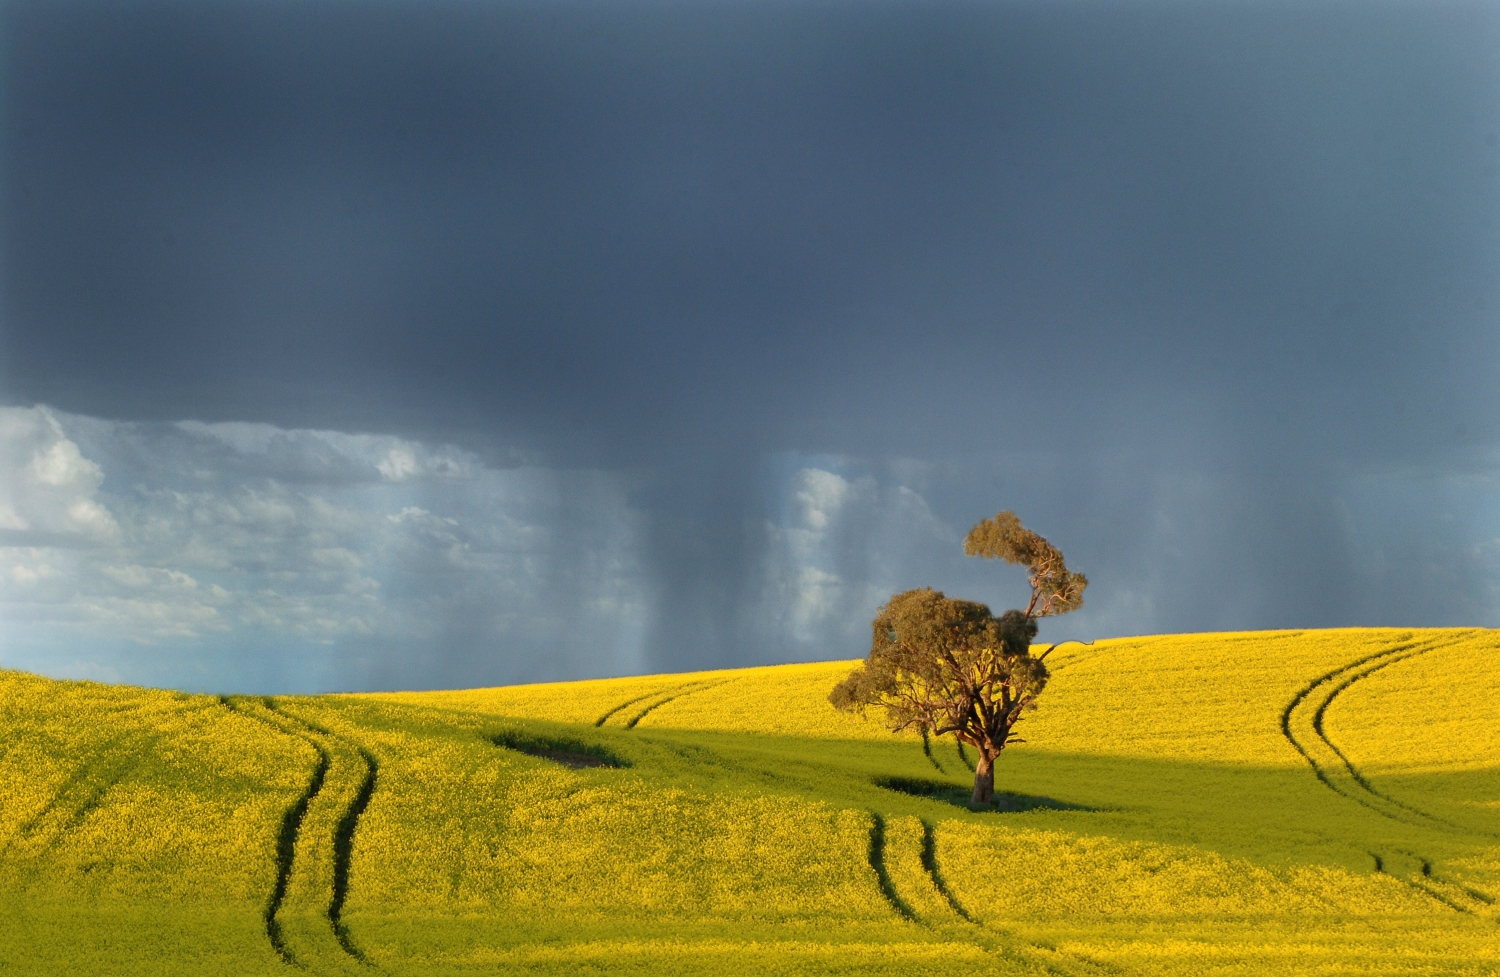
(984, 779)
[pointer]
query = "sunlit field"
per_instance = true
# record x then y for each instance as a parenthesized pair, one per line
(1320, 802)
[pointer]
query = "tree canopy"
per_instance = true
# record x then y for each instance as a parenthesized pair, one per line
(1054, 588)
(940, 665)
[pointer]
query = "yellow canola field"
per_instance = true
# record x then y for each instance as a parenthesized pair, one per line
(1196, 697)
(137, 829)
(1435, 712)
(780, 700)
(777, 700)
(1424, 732)
(1177, 822)
(460, 825)
(564, 702)
(1199, 698)
(1012, 874)
(131, 790)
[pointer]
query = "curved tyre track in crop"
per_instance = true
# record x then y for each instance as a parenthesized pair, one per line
(291, 842)
(1305, 715)
(655, 700)
(1460, 897)
(903, 855)
(1302, 726)
(628, 702)
(82, 791)
(1030, 953)
(343, 853)
(929, 862)
(286, 848)
(680, 693)
(876, 857)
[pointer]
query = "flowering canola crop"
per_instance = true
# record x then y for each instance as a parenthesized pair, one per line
(1278, 802)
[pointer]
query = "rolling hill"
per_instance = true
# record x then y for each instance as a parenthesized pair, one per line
(1314, 802)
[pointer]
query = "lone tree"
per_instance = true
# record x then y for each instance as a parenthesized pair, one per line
(940, 665)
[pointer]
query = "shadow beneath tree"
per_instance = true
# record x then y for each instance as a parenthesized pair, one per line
(959, 796)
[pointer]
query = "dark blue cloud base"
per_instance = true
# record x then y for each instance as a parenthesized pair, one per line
(1207, 293)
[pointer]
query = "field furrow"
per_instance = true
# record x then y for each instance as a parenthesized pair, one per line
(315, 846)
(144, 830)
(1302, 724)
(80, 793)
(610, 713)
(877, 858)
(676, 695)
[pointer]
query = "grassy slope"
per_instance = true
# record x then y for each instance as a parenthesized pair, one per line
(1222, 805)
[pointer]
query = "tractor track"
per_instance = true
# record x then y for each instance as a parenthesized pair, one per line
(1032, 952)
(1337, 681)
(945, 913)
(83, 790)
(680, 693)
(628, 702)
(1364, 793)
(1427, 883)
(1353, 771)
(293, 820)
(1474, 894)
(291, 825)
(343, 853)
(286, 851)
(929, 862)
(876, 856)
(661, 697)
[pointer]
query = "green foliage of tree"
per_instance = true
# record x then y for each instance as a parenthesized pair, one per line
(941, 665)
(1054, 588)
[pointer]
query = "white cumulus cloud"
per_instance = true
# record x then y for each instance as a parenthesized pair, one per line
(399, 559)
(47, 485)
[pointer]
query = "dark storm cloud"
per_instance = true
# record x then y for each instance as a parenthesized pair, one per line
(1205, 261)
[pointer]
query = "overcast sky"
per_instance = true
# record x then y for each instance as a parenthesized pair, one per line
(394, 345)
